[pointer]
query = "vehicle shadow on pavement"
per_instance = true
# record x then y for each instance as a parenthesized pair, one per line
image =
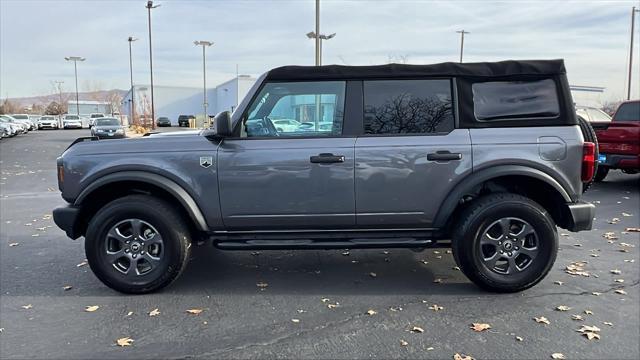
(371, 272)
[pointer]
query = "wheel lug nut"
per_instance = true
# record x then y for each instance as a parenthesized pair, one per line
(517, 248)
(141, 252)
(126, 250)
(499, 242)
(126, 242)
(507, 254)
(501, 252)
(134, 256)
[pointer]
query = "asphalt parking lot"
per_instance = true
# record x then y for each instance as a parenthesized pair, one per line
(276, 303)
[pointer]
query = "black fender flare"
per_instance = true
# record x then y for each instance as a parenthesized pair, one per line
(160, 181)
(483, 175)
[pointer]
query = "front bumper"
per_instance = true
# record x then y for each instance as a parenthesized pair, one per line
(581, 216)
(66, 217)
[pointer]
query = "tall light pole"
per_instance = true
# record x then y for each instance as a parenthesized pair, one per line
(153, 110)
(204, 45)
(633, 23)
(462, 32)
(132, 102)
(319, 38)
(59, 84)
(75, 60)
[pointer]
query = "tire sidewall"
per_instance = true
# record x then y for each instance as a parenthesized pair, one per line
(547, 242)
(111, 215)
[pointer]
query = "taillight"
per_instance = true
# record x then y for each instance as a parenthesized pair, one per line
(588, 161)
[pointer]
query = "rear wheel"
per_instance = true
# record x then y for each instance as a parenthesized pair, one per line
(505, 242)
(137, 244)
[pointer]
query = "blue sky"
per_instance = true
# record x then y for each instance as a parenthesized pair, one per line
(35, 36)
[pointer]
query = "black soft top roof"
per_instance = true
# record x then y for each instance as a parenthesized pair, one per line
(482, 69)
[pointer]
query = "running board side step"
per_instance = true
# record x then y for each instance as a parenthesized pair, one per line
(311, 244)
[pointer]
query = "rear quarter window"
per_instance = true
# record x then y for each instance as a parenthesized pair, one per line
(505, 100)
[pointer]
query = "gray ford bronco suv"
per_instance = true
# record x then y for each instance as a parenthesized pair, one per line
(487, 158)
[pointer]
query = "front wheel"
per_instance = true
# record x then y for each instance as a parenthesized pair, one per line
(505, 242)
(137, 244)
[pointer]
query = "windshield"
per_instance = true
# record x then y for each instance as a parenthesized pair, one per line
(628, 112)
(107, 122)
(71, 117)
(46, 118)
(96, 116)
(21, 117)
(598, 115)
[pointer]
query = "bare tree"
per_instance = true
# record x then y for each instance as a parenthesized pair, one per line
(398, 59)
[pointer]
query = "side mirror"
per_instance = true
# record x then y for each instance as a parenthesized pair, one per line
(222, 124)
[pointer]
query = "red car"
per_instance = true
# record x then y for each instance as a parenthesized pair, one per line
(619, 144)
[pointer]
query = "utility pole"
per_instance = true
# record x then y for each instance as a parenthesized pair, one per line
(462, 32)
(153, 111)
(318, 50)
(59, 84)
(75, 60)
(204, 45)
(132, 101)
(633, 23)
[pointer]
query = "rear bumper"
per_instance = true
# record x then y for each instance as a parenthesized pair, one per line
(618, 161)
(66, 217)
(581, 216)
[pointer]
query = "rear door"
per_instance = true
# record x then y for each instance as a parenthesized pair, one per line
(294, 177)
(410, 155)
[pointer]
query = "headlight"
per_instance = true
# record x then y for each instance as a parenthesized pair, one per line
(120, 131)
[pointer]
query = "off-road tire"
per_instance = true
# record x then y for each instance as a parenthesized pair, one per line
(476, 218)
(602, 173)
(589, 135)
(170, 224)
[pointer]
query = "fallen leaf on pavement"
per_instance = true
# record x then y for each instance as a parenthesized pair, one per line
(595, 293)
(35, 235)
(542, 320)
(619, 280)
(620, 291)
(403, 343)
(519, 338)
(610, 235)
(632, 229)
(626, 214)
(480, 327)
(430, 348)
(91, 308)
(194, 311)
(437, 281)
(436, 307)
(616, 271)
(591, 335)
(373, 274)
(371, 312)
(83, 263)
(129, 313)
(558, 282)
(154, 312)
(67, 287)
(607, 323)
(614, 221)
(125, 341)
(577, 268)
(417, 329)
(558, 356)
(577, 317)
(14, 244)
(332, 306)
(325, 300)
(563, 308)
(27, 307)
(295, 320)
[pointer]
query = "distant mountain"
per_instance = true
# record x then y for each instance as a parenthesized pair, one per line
(44, 100)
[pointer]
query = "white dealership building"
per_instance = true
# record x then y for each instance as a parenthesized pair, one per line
(173, 101)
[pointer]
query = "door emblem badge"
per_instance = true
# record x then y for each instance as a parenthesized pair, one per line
(206, 161)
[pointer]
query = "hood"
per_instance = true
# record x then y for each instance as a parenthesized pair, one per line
(145, 144)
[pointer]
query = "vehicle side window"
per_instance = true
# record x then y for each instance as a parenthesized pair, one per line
(628, 112)
(297, 109)
(500, 100)
(408, 106)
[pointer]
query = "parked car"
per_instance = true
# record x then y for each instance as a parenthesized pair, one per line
(107, 127)
(6, 129)
(163, 121)
(16, 127)
(72, 122)
(183, 120)
(619, 143)
(47, 121)
(24, 119)
(286, 125)
(93, 117)
(597, 118)
(464, 174)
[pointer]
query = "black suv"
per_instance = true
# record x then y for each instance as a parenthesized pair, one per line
(183, 120)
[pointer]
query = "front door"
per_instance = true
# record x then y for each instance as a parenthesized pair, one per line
(291, 167)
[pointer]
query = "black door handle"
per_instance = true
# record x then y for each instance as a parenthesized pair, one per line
(443, 156)
(326, 158)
